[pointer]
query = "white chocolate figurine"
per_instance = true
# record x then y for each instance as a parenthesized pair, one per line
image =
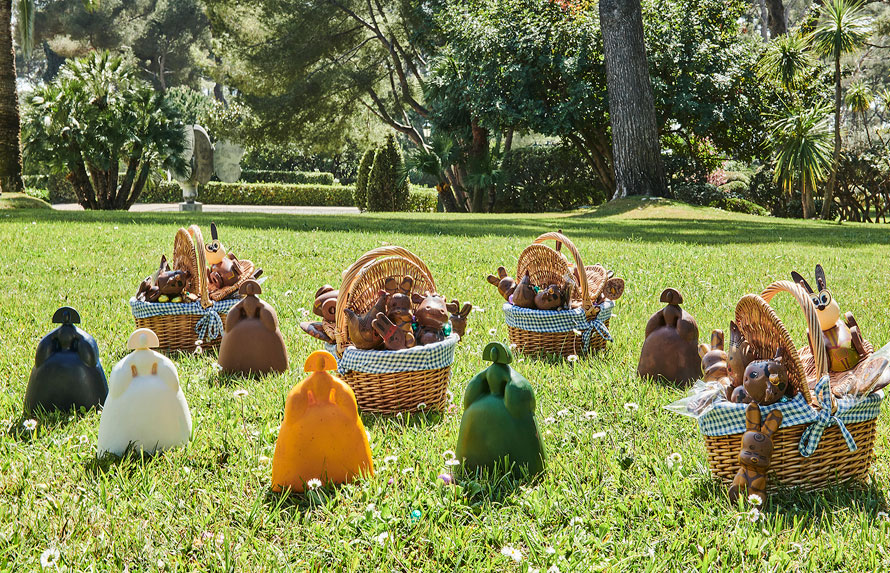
(145, 405)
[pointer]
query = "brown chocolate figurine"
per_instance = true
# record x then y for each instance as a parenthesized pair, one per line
(431, 316)
(506, 284)
(739, 354)
(459, 316)
(224, 269)
(325, 306)
(714, 360)
(252, 343)
(166, 287)
(394, 337)
(392, 285)
(550, 298)
(398, 312)
(524, 294)
(755, 455)
(670, 349)
(766, 381)
(360, 328)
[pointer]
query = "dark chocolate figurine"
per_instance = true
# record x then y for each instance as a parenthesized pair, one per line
(325, 306)
(670, 349)
(842, 338)
(394, 337)
(398, 312)
(431, 316)
(252, 343)
(67, 373)
(524, 294)
(166, 287)
(498, 423)
(361, 332)
(550, 298)
(755, 455)
(766, 381)
(459, 316)
(392, 285)
(714, 360)
(224, 269)
(739, 354)
(506, 284)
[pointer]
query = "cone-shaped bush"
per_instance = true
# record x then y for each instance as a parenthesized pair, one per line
(360, 194)
(386, 191)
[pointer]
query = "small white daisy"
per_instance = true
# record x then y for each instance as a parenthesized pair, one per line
(217, 366)
(449, 395)
(240, 393)
(755, 499)
(549, 420)
(452, 462)
(572, 358)
(448, 454)
(591, 415)
(30, 425)
(513, 346)
(288, 292)
(553, 569)
(314, 483)
(49, 558)
(754, 515)
(598, 435)
(381, 539)
(390, 460)
(549, 550)
(563, 413)
(631, 406)
(408, 471)
(512, 553)
(478, 309)
(797, 547)
(576, 332)
(675, 457)
(492, 331)
(264, 459)
(421, 406)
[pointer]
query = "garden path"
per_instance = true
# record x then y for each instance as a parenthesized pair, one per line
(273, 209)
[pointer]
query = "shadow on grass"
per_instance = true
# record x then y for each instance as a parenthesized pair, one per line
(485, 486)
(586, 225)
(31, 426)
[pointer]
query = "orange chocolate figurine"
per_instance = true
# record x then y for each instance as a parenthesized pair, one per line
(322, 436)
(224, 270)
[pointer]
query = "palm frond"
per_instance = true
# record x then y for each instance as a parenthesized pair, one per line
(786, 60)
(843, 28)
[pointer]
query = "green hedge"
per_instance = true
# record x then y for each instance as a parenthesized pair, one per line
(291, 177)
(214, 193)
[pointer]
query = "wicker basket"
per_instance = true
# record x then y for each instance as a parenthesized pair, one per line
(832, 461)
(388, 392)
(177, 329)
(549, 266)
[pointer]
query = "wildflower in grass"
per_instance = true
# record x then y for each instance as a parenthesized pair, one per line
(407, 471)
(241, 393)
(676, 458)
(549, 420)
(452, 462)
(754, 515)
(199, 346)
(30, 425)
(478, 309)
(381, 539)
(448, 454)
(549, 550)
(421, 406)
(83, 440)
(446, 478)
(314, 483)
(576, 332)
(288, 292)
(492, 331)
(563, 413)
(534, 570)
(217, 366)
(372, 510)
(572, 358)
(631, 406)
(513, 346)
(755, 500)
(449, 395)
(797, 547)
(49, 558)
(882, 515)
(591, 415)
(598, 435)
(390, 460)
(264, 459)
(553, 569)
(512, 553)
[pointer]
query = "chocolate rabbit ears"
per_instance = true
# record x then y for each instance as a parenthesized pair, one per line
(66, 315)
(320, 361)
(498, 353)
(821, 281)
(250, 287)
(143, 339)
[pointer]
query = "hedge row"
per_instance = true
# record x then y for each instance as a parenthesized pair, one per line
(214, 193)
(292, 177)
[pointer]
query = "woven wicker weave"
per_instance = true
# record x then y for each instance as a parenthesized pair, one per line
(398, 391)
(833, 461)
(549, 266)
(177, 332)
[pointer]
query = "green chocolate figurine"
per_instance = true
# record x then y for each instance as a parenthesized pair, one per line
(499, 418)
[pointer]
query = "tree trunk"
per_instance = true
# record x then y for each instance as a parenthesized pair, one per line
(778, 21)
(635, 145)
(764, 21)
(508, 141)
(446, 197)
(10, 122)
(835, 158)
(53, 63)
(806, 200)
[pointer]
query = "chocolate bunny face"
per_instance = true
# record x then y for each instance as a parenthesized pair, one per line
(756, 453)
(766, 381)
(827, 309)
(431, 310)
(549, 298)
(506, 284)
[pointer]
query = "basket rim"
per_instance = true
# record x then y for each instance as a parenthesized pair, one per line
(560, 240)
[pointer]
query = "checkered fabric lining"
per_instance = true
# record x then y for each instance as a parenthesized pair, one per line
(210, 325)
(727, 418)
(427, 357)
(535, 320)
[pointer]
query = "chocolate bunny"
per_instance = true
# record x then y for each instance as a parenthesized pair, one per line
(392, 285)
(167, 283)
(524, 293)
(755, 454)
(253, 343)
(714, 360)
(325, 306)
(361, 332)
(842, 337)
(394, 337)
(506, 284)
(551, 298)
(224, 269)
(459, 316)
(766, 381)
(739, 354)
(431, 316)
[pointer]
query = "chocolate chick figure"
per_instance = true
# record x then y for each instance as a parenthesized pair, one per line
(498, 423)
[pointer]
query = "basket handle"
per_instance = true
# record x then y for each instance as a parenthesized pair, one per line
(352, 273)
(200, 265)
(561, 239)
(814, 330)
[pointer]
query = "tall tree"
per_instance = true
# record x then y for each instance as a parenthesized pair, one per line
(843, 28)
(776, 18)
(10, 122)
(635, 144)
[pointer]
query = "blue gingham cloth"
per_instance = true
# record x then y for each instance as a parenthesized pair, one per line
(427, 357)
(210, 325)
(727, 418)
(535, 320)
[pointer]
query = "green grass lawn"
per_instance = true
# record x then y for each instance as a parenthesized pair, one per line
(609, 499)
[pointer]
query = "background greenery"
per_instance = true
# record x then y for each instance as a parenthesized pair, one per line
(610, 499)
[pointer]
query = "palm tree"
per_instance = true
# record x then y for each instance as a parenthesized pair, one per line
(843, 28)
(787, 61)
(802, 142)
(434, 160)
(10, 121)
(860, 97)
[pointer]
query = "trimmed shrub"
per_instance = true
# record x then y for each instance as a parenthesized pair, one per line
(738, 176)
(387, 191)
(547, 178)
(708, 195)
(58, 188)
(743, 206)
(292, 177)
(360, 195)
(422, 200)
(734, 188)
